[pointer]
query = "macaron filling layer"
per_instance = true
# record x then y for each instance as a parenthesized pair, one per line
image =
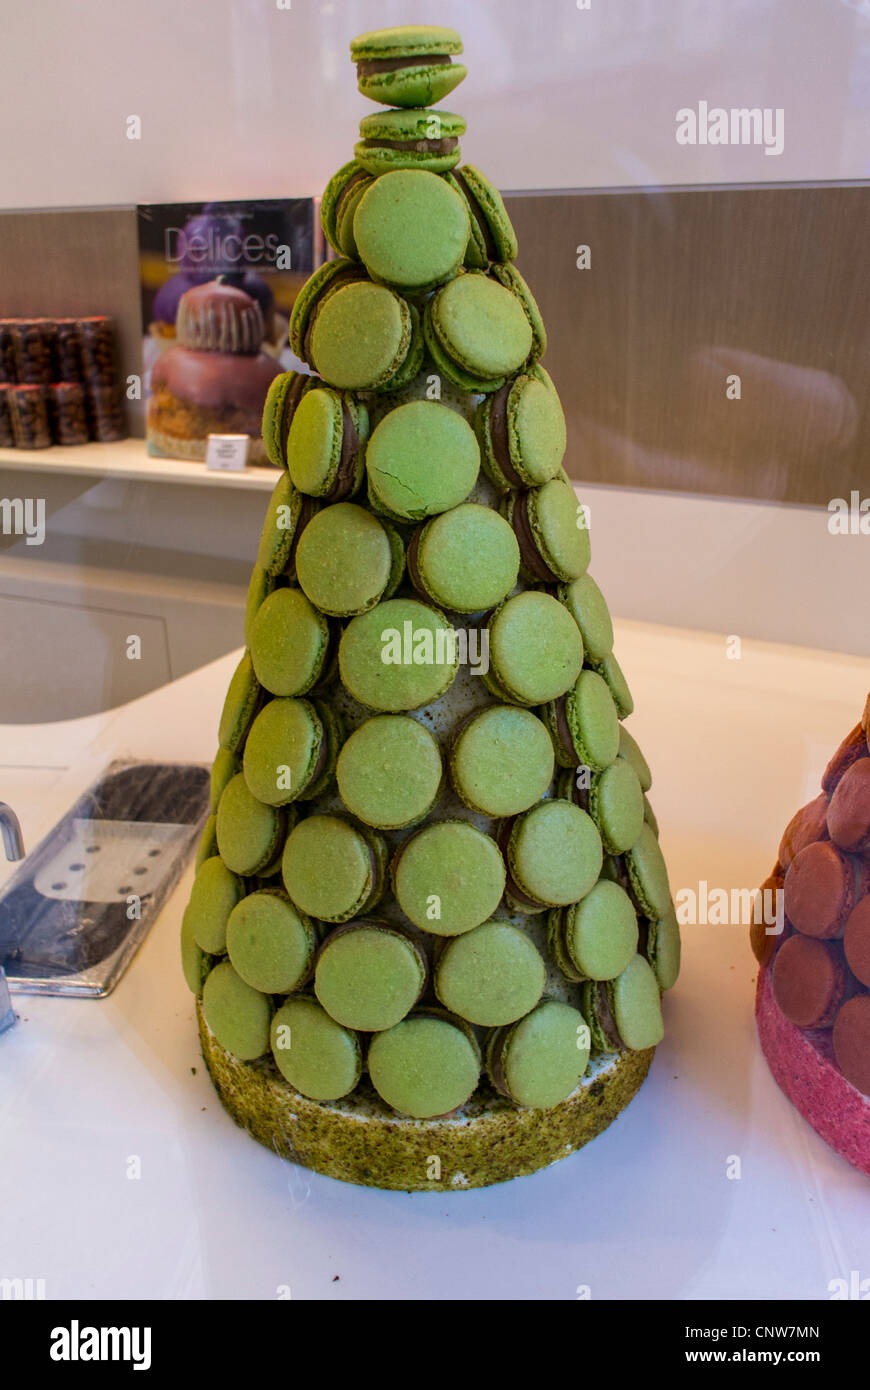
(530, 553)
(498, 432)
(368, 67)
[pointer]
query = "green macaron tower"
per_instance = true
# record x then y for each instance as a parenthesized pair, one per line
(431, 924)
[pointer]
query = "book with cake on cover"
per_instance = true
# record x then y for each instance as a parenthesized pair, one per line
(431, 924)
(209, 358)
(813, 993)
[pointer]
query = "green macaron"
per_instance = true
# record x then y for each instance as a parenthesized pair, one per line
(261, 585)
(611, 672)
(663, 948)
(270, 943)
(289, 643)
(616, 804)
(510, 277)
(333, 869)
(287, 515)
(540, 1060)
(477, 332)
(522, 432)
(585, 602)
(411, 65)
(215, 892)
(328, 277)
(338, 206)
(553, 854)
(207, 844)
(648, 874)
(318, 1057)
(248, 832)
(466, 560)
(369, 975)
(630, 751)
(427, 1065)
(326, 444)
(366, 337)
(625, 1012)
(491, 975)
(411, 230)
(422, 459)
(282, 401)
(195, 963)
(399, 656)
(238, 1015)
(535, 649)
(448, 877)
(290, 751)
(492, 235)
(413, 139)
(595, 938)
(584, 724)
(649, 816)
(389, 771)
(240, 705)
(501, 760)
(346, 559)
(552, 544)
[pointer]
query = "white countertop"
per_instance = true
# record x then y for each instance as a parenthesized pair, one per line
(647, 1210)
(128, 459)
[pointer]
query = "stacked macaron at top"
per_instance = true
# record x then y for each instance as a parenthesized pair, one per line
(818, 947)
(419, 859)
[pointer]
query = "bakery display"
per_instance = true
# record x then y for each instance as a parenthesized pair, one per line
(812, 1002)
(59, 382)
(214, 379)
(431, 924)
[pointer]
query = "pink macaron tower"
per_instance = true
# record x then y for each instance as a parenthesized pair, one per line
(813, 996)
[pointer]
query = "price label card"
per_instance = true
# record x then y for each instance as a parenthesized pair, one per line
(228, 452)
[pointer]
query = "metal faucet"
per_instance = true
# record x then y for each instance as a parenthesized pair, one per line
(10, 829)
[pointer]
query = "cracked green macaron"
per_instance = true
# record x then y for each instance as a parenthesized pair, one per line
(625, 1012)
(338, 206)
(477, 332)
(466, 560)
(535, 649)
(290, 751)
(522, 431)
(319, 1058)
(282, 401)
(369, 975)
(501, 760)
(326, 444)
(348, 559)
(411, 230)
(270, 943)
(238, 1015)
(584, 724)
(553, 854)
(389, 771)
(248, 832)
(540, 1060)
(366, 337)
(399, 656)
(422, 459)
(448, 877)
(409, 139)
(290, 643)
(412, 65)
(332, 868)
(545, 520)
(492, 235)
(425, 1066)
(586, 604)
(595, 939)
(491, 975)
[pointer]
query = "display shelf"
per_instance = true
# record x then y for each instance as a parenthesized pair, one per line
(128, 459)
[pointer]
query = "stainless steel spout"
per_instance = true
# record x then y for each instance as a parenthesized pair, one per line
(10, 829)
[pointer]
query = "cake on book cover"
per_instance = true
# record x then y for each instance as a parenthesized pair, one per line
(431, 924)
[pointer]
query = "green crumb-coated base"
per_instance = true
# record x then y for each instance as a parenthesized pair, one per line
(360, 1140)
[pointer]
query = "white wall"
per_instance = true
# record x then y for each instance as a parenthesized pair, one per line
(239, 98)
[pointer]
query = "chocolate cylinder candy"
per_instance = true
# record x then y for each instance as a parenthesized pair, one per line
(69, 416)
(98, 350)
(7, 436)
(30, 417)
(105, 414)
(68, 351)
(31, 344)
(8, 368)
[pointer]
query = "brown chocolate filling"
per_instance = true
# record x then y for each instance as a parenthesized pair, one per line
(476, 212)
(498, 433)
(369, 67)
(345, 476)
(496, 1065)
(411, 562)
(291, 401)
(530, 555)
(342, 197)
(445, 146)
(322, 757)
(566, 739)
(604, 1014)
